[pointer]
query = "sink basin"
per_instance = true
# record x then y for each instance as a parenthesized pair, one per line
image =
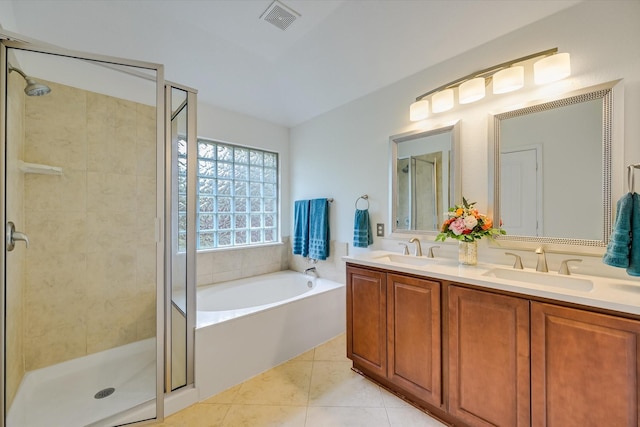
(405, 259)
(543, 279)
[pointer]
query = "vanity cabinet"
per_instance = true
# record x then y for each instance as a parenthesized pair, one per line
(413, 336)
(393, 330)
(584, 368)
(477, 357)
(367, 319)
(488, 358)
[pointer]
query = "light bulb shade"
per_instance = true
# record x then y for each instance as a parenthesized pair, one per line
(442, 101)
(471, 90)
(552, 68)
(419, 110)
(508, 80)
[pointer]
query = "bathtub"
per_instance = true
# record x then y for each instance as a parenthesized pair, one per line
(247, 326)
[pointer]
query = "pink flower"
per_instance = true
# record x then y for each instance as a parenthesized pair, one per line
(470, 221)
(457, 226)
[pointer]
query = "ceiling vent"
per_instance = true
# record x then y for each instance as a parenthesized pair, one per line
(280, 15)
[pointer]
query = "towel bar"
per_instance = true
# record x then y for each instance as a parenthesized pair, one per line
(630, 176)
(364, 197)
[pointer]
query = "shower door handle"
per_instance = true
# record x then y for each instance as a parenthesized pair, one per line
(13, 235)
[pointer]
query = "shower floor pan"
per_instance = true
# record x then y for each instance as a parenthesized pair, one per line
(86, 390)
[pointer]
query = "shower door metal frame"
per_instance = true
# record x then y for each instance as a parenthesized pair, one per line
(192, 164)
(16, 41)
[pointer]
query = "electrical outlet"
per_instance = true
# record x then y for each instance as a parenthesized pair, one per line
(380, 229)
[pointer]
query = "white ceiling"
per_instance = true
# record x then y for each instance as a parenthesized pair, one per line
(337, 51)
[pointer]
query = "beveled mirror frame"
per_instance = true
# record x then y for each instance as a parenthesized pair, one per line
(455, 175)
(557, 244)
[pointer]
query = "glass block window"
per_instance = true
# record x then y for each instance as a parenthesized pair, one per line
(237, 196)
(182, 194)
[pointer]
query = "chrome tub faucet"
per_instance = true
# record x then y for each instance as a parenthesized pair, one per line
(311, 270)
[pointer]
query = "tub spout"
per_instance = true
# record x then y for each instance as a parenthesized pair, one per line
(311, 270)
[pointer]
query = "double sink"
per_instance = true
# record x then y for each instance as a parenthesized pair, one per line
(524, 276)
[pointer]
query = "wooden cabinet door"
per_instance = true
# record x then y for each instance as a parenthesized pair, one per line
(488, 358)
(413, 336)
(584, 368)
(367, 319)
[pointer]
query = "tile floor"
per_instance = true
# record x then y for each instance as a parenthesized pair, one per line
(315, 389)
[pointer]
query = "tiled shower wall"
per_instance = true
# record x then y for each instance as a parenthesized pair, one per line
(91, 265)
(15, 274)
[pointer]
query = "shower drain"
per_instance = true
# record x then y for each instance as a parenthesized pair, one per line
(104, 393)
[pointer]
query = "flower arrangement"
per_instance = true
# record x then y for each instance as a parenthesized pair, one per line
(466, 224)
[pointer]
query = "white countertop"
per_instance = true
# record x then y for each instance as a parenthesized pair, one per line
(607, 293)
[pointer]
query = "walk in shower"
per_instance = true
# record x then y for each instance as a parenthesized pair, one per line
(83, 194)
(419, 195)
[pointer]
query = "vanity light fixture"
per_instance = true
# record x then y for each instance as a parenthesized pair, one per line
(471, 90)
(442, 101)
(552, 68)
(419, 110)
(508, 80)
(506, 77)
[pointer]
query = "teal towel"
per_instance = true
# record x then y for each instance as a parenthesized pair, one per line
(634, 254)
(301, 228)
(619, 247)
(362, 236)
(319, 229)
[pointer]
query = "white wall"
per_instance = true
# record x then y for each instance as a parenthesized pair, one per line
(344, 153)
(227, 126)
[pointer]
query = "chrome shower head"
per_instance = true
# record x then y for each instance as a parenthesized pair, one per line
(33, 87)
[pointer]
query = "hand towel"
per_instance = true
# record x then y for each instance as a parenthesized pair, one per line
(634, 254)
(619, 247)
(301, 228)
(362, 236)
(319, 229)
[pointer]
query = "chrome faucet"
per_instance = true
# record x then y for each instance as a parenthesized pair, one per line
(564, 266)
(430, 253)
(311, 270)
(418, 246)
(542, 260)
(517, 264)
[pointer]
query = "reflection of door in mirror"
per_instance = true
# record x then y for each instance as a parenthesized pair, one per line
(424, 178)
(419, 195)
(573, 194)
(521, 190)
(572, 154)
(430, 203)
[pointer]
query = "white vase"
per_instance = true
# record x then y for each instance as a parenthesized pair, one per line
(468, 252)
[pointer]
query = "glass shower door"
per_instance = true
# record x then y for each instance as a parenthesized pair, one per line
(82, 320)
(180, 241)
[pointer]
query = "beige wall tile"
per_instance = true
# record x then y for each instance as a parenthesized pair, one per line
(61, 344)
(92, 263)
(16, 260)
(110, 192)
(64, 193)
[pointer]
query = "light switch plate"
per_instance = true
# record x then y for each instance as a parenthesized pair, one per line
(380, 229)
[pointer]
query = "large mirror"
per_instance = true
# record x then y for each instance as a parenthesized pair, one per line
(425, 178)
(550, 171)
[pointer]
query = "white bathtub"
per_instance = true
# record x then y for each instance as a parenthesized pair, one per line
(247, 326)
